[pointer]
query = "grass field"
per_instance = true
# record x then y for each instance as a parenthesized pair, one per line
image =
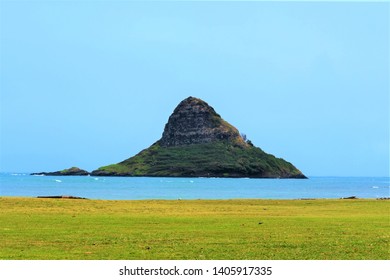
(32, 228)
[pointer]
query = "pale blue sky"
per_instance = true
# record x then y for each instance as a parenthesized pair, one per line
(92, 83)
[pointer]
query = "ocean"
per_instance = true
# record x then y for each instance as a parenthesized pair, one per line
(140, 188)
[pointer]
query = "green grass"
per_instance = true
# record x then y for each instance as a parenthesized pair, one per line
(198, 229)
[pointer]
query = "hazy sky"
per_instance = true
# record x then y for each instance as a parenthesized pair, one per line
(92, 83)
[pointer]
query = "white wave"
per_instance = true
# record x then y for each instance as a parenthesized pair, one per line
(58, 181)
(96, 179)
(375, 187)
(191, 181)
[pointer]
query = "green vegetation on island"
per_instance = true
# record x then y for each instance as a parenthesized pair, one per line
(41, 229)
(216, 159)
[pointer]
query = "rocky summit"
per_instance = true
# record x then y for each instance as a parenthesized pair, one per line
(197, 142)
(195, 122)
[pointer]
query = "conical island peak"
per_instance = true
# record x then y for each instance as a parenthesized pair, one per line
(197, 142)
(196, 122)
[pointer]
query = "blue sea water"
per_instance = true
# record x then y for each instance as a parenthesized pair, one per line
(139, 188)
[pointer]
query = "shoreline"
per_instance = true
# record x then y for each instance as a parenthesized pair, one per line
(71, 197)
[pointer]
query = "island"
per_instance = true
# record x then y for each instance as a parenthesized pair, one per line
(197, 142)
(73, 171)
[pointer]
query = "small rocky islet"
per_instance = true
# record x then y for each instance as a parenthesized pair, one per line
(73, 171)
(197, 142)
